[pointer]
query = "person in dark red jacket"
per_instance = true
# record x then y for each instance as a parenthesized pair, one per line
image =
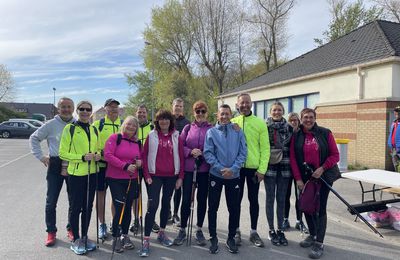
(123, 156)
(192, 137)
(316, 146)
(163, 165)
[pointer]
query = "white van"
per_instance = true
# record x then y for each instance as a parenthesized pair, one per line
(34, 122)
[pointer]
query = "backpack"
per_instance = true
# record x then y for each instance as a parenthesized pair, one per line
(120, 138)
(103, 123)
(309, 199)
(72, 131)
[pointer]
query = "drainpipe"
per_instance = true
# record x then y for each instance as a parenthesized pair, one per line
(361, 75)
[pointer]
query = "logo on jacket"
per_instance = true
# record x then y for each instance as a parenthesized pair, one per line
(213, 183)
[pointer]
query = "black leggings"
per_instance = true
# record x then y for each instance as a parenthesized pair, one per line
(77, 189)
(168, 185)
(287, 201)
(118, 188)
(201, 195)
(252, 194)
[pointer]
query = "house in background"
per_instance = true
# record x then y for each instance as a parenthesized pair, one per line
(352, 82)
(49, 110)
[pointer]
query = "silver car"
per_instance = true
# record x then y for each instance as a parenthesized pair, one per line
(16, 129)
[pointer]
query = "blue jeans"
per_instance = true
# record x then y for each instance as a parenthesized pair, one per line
(54, 185)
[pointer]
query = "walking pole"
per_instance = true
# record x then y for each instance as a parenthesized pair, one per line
(140, 210)
(97, 207)
(310, 171)
(87, 204)
(197, 163)
(119, 232)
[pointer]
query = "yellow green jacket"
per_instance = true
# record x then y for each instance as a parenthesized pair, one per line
(109, 128)
(257, 139)
(73, 150)
(144, 131)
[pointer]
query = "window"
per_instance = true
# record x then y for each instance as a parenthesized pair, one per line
(297, 104)
(312, 100)
(260, 109)
(285, 103)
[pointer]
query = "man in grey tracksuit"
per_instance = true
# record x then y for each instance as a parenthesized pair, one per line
(56, 169)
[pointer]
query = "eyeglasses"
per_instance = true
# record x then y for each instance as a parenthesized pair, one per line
(202, 111)
(87, 109)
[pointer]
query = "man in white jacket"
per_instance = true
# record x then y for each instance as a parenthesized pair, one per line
(56, 169)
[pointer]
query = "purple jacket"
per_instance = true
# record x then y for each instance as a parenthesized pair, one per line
(194, 138)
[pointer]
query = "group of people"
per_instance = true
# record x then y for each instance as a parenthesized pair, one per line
(175, 155)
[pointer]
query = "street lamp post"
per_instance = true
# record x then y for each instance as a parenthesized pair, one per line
(152, 79)
(54, 102)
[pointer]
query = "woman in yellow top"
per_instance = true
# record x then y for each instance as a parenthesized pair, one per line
(79, 146)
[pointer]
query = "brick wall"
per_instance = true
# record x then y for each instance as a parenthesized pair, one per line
(367, 127)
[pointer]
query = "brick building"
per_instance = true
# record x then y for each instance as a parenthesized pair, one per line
(353, 82)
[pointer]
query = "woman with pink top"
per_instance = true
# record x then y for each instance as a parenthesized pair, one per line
(163, 165)
(123, 155)
(315, 146)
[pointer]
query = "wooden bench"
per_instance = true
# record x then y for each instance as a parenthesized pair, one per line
(371, 206)
(394, 191)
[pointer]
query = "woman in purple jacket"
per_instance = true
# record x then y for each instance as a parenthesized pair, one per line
(122, 153)
(192, 137)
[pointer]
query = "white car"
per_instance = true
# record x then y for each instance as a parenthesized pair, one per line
(32, 121)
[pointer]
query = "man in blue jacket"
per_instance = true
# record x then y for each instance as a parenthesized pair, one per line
(225, 150)
(394, 139)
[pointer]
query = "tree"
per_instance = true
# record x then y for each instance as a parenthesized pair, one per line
(7, 84)
(271, 17)
(391, 8)
(213, 28)
(347, 17)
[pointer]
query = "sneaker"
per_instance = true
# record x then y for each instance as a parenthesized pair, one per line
(200, 239)
(214, 245)
(78, 247)
(126, 242)
(285, 224)
(117, 245)
(90, 245)
(180, 238)
(145, 250)
(282, 239)
(164, 240)
(238, 238)
(301, 227)
(51, 239)
(256, 240)
(156, 228)
(316, 251)
(231, 245)
(176, 220)
(134, 228)
(70, 235)
(103, 231)
(273, 237)
(308, 241)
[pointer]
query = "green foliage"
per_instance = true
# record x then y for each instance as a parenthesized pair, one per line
(6, 114)
(356, 167)
(347, 17)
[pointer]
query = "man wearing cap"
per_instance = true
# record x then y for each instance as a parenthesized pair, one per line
(394, 139)
(106, 126)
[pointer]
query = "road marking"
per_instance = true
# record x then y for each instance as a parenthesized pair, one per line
(16, 159)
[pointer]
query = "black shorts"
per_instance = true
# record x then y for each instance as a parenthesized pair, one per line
(101, 179)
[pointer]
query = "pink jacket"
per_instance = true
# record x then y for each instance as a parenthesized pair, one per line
(119, 157)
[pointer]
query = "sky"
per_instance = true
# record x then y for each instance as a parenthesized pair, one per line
(83, 49)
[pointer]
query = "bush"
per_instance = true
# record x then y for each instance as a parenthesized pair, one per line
(6, 114)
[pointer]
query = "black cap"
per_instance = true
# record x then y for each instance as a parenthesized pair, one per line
(109, 101)
(397, 109)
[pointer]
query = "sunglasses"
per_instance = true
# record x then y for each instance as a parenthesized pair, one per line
(87, 109)
(202, 111)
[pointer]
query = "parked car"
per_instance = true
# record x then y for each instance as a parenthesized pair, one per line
(15, 129)
(32, 121)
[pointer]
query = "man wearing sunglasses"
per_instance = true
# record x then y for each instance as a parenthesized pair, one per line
(180, 122)
(56, 174)
(107, 126)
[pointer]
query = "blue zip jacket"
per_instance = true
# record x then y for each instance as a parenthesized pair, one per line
(396, 138)
(225, 147)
